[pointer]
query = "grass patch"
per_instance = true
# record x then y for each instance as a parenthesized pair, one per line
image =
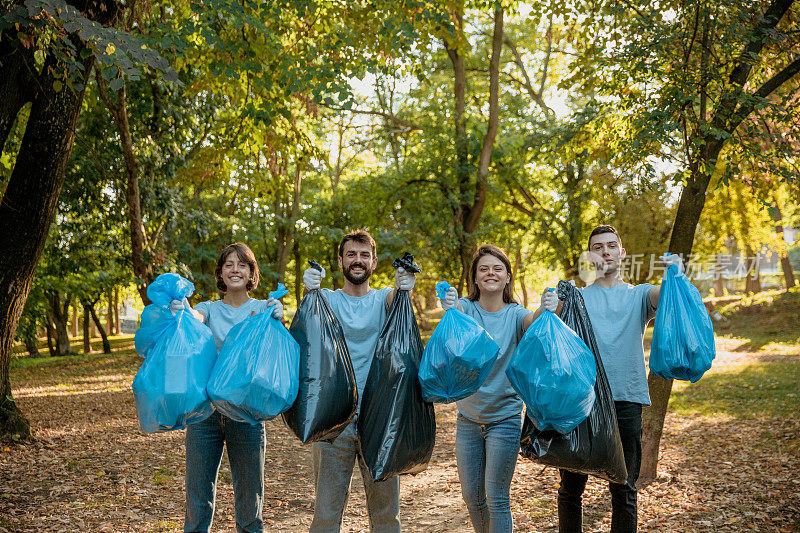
(764, 318)
(745, 391)
(168, 525)
(162, 476)
(73, 365)
(117, 342)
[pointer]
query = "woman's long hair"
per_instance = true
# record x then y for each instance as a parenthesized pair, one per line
(490, 249)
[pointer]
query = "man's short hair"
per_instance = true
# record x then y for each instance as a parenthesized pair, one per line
(599, 230)
(361, 237)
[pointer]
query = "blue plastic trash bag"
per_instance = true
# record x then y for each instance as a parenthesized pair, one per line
(683, 336)
(170, 387)
(256, 375)
(554, 372)
(458, 357)
(594, 446)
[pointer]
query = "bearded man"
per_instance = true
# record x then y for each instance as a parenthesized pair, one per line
(362, 311)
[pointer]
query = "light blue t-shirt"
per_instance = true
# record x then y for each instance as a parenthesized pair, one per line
(619, 317)
(221, 317)
(362, 318)
(496, 399)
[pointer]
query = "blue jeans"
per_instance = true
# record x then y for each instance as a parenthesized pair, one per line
(623, 495)
(333, 468)
(204, 444)
(486, 455)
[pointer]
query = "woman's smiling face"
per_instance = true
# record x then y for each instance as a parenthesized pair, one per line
(491, 274)
(235, 273)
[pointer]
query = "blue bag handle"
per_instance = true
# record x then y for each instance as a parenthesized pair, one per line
(673, 268)
(441, 289)
(549, 289)
(279, 292)
(167, 287)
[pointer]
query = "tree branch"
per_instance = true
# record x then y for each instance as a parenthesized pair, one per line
(535, 96)
(764, 91)
(744, 64)
(410, 126)
(479, 200)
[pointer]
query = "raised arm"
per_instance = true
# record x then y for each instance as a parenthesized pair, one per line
(177, 305)
(667, 259)
(403, 281)
(549, 302)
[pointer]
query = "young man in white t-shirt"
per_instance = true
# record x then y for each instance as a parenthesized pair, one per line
(619, 313)
(361, 310)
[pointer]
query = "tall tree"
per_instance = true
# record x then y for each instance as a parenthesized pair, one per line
(689, 83)
(468, 199)
(62, 40)
(30, 199)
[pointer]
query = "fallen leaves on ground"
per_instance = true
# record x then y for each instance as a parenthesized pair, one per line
(91, 469)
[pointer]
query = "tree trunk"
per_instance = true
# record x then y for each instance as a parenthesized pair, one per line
(788, 274)
(96, 322)
(285, 247)
(142, 269)
(116, 311)
(719, 280)
(59, 314)
(110, 312)
(752, 283)
(786, 265)
(334, 266)
(472, 199)
(31, 345)
(15, 83)
(690, 207)
(74, 321)
(461, 142)
(27, 210)
(298, 271)
(87, 338)
(50, 337)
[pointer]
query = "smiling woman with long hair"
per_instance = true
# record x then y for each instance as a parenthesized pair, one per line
(489, 421)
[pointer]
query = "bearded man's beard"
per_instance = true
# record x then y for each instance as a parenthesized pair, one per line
(357, 279)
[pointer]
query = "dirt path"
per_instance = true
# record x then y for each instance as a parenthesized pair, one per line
(93, 470)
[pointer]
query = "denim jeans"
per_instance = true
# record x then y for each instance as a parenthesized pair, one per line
(204, 444)
(333, 468)
(486, 455)
(623, 495)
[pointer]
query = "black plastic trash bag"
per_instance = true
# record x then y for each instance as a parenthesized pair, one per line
(396, 427)
(594, 447)
(327, 399)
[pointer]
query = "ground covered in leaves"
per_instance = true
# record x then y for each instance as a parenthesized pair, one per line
(730, 460)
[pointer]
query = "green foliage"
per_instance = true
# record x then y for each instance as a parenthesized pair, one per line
(49, 26)
(256, 142)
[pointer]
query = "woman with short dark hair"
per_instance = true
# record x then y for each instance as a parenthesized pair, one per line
(236, 275)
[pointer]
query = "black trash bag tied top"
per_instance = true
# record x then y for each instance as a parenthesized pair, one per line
(594, 447)
(396, 427)
(327, 398)
(407, 262)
